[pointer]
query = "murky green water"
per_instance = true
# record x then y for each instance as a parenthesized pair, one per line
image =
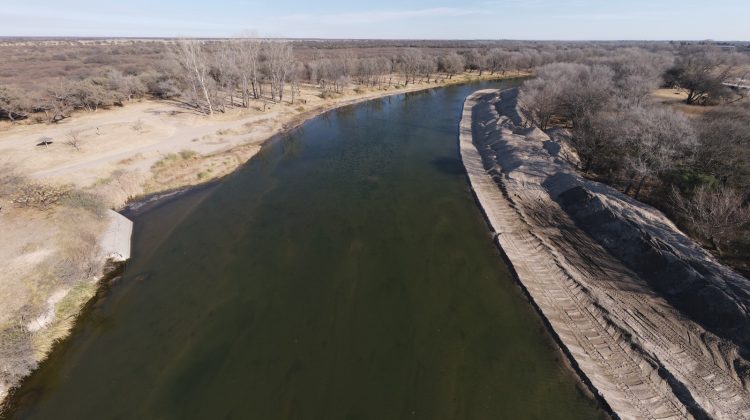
(345, 273)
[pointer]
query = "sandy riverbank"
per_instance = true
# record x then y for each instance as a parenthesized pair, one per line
(141, 149)
(646, 358)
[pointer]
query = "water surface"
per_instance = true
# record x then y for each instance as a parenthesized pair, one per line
(344, 273)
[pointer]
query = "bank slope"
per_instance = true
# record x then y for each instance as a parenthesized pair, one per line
(644, 357)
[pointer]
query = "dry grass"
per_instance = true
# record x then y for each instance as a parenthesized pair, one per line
(53, 252)
(675, 98)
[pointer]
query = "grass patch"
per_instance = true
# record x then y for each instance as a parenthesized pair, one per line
(188, 154)
(166, 160)
(327, 94)
(85, 200)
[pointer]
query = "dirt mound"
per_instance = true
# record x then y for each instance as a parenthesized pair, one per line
(652, 321)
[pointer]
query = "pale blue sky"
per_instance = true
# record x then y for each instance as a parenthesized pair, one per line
(474, 19)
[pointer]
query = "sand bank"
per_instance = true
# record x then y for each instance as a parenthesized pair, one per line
(644, 357)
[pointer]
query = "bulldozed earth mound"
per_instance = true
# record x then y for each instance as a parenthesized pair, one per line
(650, 320)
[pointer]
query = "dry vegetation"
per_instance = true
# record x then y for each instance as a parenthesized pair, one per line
(45, 81)
(54, 230)
(693, 165)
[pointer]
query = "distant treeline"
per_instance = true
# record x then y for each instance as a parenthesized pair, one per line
(47, 80)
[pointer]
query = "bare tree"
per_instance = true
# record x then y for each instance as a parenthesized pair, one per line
(192, 58)
(138, 126)
(724, 147)
(280, 63)
(702, 72)
(637, 72)
(539, 101)
(451, 63)
(475, 60)
(295, 74)
(13, 104)
(249, 51)
(225, 72)
(716, 214)
(409, 64)
(568, 90)
(73, 139)
(598, 142)
(427, 66)
(498, 60)
(654, 140)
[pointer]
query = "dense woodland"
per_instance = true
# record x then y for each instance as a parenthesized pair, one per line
(695, 167)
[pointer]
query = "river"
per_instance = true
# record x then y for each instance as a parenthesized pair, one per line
(344, 273)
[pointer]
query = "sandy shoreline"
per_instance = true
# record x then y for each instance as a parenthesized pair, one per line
(644, 358)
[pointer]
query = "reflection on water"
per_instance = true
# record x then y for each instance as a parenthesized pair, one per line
(345, 273)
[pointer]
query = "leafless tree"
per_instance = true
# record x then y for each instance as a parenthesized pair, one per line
(73, 139)
(724, 147)
(498, 60)
(129, 86)
(225, 71)
(295, 74)
(475, 60)
(451, 63)
(194, 62)
(598, 142)
(138, 126)
(637, 72)
(409, 64)
(702, 72)
(427, 66)
(13, 104)
(280, 62)
(654, 140)
(567, 90)
(249, 61)
(540, 100)
(717, 214)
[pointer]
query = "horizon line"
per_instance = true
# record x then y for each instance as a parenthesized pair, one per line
(93, 37)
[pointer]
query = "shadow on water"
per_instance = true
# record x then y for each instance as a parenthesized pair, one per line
(449, 165)
(343, 273)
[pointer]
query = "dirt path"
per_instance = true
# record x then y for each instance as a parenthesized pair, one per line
(644, 357)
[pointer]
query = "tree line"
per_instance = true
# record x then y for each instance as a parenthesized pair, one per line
(214, 75)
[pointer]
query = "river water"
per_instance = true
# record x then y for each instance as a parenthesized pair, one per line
(344, 273)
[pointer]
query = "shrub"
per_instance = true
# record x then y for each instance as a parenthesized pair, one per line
(85, 200)
(40, 197)
(187, 154)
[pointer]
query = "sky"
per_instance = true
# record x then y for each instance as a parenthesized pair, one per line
(389, 19)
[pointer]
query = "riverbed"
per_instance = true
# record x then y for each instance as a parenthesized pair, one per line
(344, 273)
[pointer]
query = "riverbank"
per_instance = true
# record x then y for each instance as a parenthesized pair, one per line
(644, 357)
(141, 150)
